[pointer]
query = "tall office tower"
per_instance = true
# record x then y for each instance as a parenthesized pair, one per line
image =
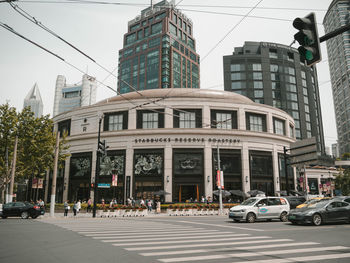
(159, 51)
(33, 99)
(68, 97)
(272, 74)
(338, 49)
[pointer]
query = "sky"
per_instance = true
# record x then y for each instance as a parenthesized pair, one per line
(98, 29)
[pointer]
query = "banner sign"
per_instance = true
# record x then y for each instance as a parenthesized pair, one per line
(114, 180)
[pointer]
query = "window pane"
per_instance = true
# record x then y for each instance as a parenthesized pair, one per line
(224, 121)
(187, 120)
(150, 120)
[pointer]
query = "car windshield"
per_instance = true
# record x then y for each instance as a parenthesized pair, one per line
(249, 201)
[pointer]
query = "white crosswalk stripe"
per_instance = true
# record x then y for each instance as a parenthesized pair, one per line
(171, 242)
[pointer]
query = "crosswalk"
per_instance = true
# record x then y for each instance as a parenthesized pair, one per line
(171, 242)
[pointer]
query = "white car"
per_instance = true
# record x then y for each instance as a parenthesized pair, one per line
(256, 208)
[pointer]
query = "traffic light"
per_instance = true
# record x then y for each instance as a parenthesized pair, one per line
(307, 37)
(102, 148)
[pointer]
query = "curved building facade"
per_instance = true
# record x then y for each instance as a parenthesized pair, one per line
(170, 140)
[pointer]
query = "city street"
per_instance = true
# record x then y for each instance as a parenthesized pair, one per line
(169, 239)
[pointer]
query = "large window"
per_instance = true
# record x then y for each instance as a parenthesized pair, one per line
(256, 122)
(116, 121)
(187, 118)
(147, 119)
(237, 67)
(278, 126)
(222, 119)
(64, 127)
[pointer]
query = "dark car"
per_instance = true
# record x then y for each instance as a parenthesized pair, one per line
(22, 209)
(343, 198)
(294, 201)
(329, 211)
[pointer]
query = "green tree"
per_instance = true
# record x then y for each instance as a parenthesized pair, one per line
(8, 120)
(36, 143)
(342, 182)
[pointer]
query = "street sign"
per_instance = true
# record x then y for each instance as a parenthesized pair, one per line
(304, 151)
(102, 185)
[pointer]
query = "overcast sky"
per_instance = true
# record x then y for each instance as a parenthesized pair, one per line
(98, 29)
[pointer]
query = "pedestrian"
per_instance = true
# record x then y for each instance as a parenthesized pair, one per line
(103, 203)
(158, 207)
(129, 201)
(149, 205)
(66, 208)
(111, 204)
(89, 202)
(75, 207)
(78, 206)
(41, 203)
(132, 202)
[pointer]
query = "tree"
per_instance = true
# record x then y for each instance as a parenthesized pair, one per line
(8, 120)
(342, 182)
(36, 143)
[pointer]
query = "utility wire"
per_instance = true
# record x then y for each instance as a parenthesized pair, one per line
(229, 32)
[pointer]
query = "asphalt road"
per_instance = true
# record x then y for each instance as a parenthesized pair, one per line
(169, 239)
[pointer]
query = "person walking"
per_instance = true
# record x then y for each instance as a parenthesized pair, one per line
(75, 208)
(158, 207)
(78, 206)
(149, 206)
(66, 208)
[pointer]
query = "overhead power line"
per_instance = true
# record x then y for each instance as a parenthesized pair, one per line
(229, 32)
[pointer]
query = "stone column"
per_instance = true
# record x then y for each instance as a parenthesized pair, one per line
(206, 117)
(245, 168)
(168, 118)
(93, 173)
(132, 119)
(66, 179)
(168, 172)
(276, 178)
(241, 119)
(269, 123)
(129, 160)
(208, 171)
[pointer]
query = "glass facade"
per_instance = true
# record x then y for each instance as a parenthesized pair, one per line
(147, 60)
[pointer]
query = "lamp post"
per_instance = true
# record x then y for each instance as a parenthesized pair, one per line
(97, 166)
(220, 186)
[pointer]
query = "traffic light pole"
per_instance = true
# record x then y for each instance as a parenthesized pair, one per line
(220, 188)
(286, 168)
(97, 169)
(335, 33)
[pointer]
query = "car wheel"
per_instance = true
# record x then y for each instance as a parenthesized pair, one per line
(34, 216)
(317, 219)
(269, 220)
(236, 220)
(294, 223)
(251, 218)
(284, 217)
(3, 217)
(24, 215)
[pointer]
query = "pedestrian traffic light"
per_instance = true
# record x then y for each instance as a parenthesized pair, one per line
(102, 148)
(307, 37)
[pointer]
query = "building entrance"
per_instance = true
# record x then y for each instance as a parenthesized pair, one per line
(188, 192)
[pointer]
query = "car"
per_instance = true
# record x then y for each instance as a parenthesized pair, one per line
(327, 211)
(313, 200)
(294, 201)
(22, 209)
(343, 198)
(256, 208)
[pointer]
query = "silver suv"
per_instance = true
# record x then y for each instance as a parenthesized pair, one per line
(256, 208)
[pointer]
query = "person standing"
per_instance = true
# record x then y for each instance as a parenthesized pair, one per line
(78, 206)
(158, 207)
(89, 203)
(75, 208)
(66, 208)
(142, 203)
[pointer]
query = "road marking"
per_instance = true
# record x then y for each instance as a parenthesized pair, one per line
(99, 229)
(299, 228)
(195, 239)
(126, 233)
(300, 259)
(137, 238)
(209, 244)
(193, 251)
(147, 230)
(144, 234)
(236, 227)
(252, 254)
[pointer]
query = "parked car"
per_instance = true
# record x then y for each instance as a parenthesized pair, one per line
(256, 208)
(313, 201)
(22, 209)
(294, 201)
(331, 210)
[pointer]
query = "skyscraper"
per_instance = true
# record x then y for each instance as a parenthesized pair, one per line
(338, 49)
(71, 96)
(272, 74)
(159, 51)
(33, 99)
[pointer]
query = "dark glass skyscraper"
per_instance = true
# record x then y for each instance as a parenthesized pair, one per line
(272, 74)
(159, 51)
(338, 49)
